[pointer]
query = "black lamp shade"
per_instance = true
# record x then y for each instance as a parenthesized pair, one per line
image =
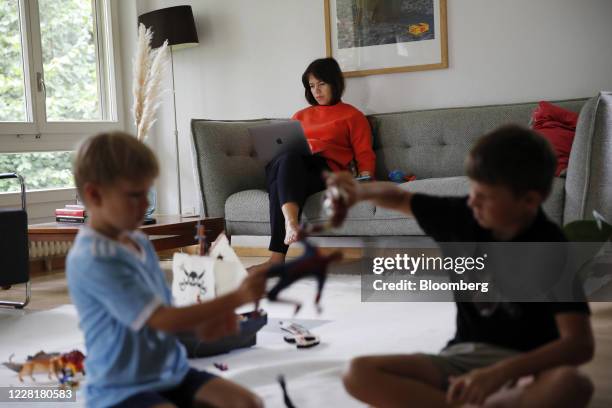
(175, 24)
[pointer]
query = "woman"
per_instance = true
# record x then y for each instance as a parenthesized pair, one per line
(337, 133)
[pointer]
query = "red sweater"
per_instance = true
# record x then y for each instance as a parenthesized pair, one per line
(339, 133)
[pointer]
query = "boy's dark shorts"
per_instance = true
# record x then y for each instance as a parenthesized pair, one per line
(182, 395)
(460, 358)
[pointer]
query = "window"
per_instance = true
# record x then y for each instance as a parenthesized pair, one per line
(58, 85)
(69, 60)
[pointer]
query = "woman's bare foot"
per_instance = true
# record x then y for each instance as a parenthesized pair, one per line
(291, 213)
(291, 232)
(275, 258)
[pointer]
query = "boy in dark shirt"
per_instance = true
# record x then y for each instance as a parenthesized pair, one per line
(511, 172)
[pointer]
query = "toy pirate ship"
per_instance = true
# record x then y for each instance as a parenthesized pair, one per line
(211, 273)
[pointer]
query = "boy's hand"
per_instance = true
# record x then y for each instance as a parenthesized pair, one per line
(476, 386)
(345, 182)
(222, 326)
(253, 286)
(343, 191)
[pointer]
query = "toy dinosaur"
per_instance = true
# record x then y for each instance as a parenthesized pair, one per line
(50, 363)
(39, 362)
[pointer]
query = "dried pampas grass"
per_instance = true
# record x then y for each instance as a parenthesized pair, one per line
(149, 67)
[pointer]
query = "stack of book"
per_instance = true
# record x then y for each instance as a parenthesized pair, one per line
(71, 213)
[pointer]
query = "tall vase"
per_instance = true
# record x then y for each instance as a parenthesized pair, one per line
(152, 198)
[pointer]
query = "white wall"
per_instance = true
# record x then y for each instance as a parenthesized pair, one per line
(252, 53)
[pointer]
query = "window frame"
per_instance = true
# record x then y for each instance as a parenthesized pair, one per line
(28, 126)
(38, 134)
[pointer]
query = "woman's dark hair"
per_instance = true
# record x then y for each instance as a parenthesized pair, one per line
(514, 157)
(328, 71)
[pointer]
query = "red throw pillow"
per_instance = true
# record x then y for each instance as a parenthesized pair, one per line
(558, 125)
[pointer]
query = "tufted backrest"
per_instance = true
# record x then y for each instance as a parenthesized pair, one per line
(225, 160)
(434, 143)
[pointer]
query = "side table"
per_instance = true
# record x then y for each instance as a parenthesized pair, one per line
(170, 231)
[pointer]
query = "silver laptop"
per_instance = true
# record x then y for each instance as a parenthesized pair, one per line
(277, 138)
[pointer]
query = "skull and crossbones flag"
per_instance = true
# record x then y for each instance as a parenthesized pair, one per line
(193, 279)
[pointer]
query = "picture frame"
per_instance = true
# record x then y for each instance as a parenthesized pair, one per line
(371, 37)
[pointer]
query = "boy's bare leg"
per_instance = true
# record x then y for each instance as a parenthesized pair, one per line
(396, 381)
(219, 393)
(555, 388)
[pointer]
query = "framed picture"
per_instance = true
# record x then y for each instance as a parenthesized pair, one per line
(369, 37)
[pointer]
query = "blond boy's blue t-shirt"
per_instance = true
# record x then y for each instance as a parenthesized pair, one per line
(115, 290)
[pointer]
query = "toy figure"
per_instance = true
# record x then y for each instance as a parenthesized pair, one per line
(286, 399)
(221, 366)
(335, 208)
(398, 176)
(203, 245)
(312, 263)
(72, 363)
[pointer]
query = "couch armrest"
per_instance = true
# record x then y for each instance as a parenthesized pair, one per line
(225, 161)
(589, 174)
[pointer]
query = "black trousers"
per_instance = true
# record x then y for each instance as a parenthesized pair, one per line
(291, 178)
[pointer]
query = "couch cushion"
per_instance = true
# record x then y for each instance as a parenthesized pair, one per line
(247, 213)
(248, 205)
(458, 186)
(446, 186)
(451, 186)
(252, 205)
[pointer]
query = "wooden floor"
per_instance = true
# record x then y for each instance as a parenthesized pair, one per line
(49, 291)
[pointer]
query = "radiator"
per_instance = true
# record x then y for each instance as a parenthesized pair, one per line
(47, 249)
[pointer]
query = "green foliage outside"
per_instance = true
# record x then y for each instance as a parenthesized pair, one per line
(12, 100)
(40, 170)
(69, 62)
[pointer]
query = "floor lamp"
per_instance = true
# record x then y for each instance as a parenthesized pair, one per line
(175, 24)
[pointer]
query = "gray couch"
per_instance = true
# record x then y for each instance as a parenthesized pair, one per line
(432, 144)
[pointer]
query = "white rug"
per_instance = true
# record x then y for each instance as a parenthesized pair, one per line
(347, 328)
